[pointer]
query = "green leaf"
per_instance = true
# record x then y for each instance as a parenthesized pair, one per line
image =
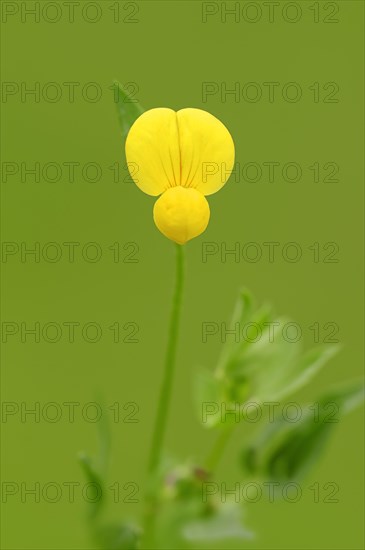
(96, 470)
(241, 314)
(226, 523)
(286, 451)
(299, 451)
(265, 365)
(185, 516)
(93, 477)
(173, 515)
(348, 397)
(104, 440)
(272, 367)
(128, 109)
(208, 396)
(121, 536)
(308, 365)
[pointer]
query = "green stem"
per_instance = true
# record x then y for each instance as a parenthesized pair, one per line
(165, 397)
(217, 451)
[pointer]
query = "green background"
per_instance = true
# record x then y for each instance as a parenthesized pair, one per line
(168, 54)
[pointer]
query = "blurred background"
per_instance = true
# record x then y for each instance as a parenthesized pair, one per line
(97, 288)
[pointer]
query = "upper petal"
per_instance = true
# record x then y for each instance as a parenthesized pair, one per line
(152, 151)
(206, 150)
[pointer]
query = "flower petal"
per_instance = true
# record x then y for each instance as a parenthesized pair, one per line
(152, 151)
(181, 214)
(206, 150)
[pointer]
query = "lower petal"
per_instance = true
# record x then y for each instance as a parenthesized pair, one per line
(181, 214)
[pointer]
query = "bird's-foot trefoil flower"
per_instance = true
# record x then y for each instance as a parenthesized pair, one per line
(181, 156)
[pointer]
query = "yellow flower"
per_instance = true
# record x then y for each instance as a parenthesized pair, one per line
(181, 156)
